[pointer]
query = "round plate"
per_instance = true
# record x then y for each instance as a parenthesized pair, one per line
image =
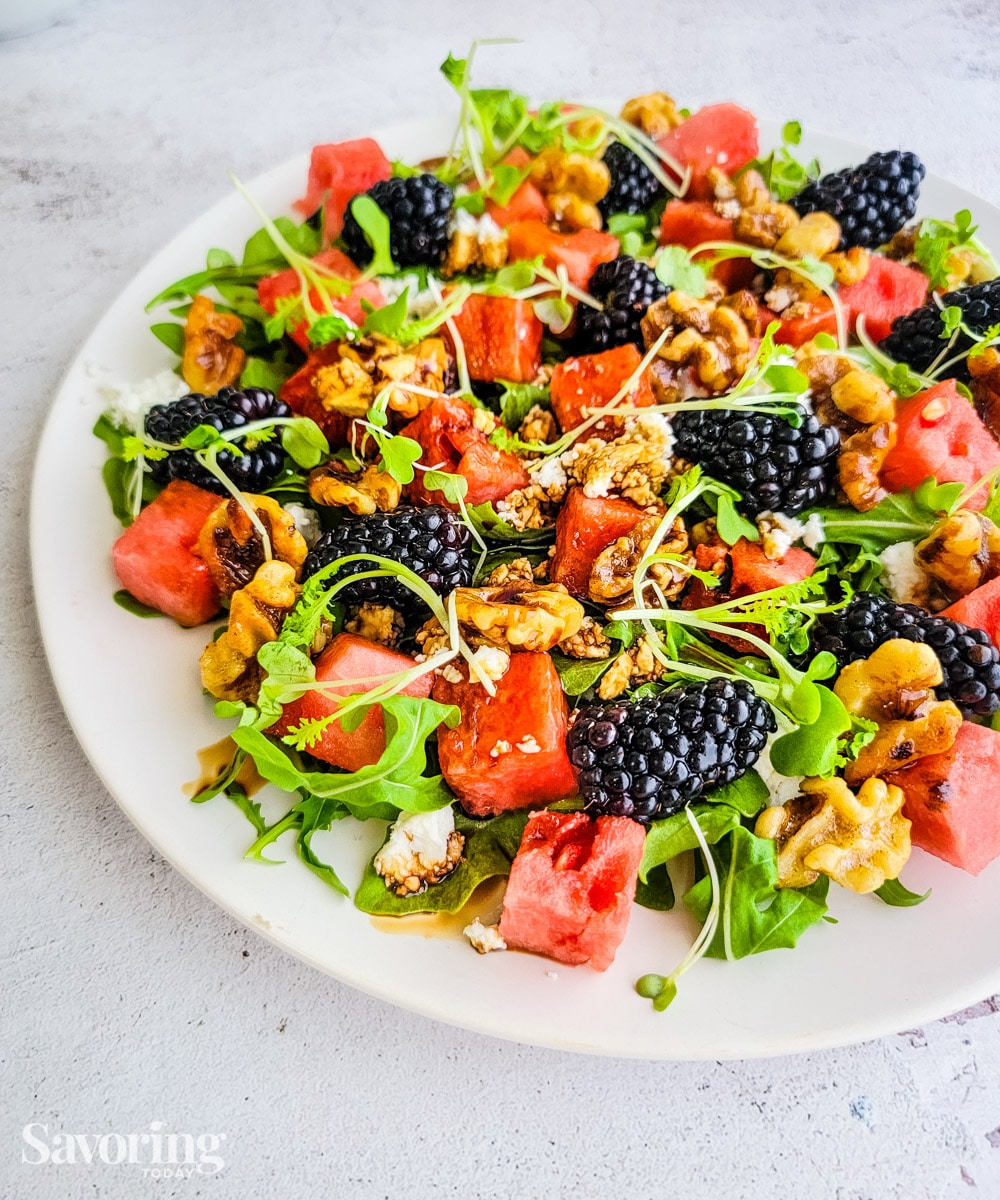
(132, 691)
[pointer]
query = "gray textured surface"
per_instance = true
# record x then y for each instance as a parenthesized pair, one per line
(128, 997)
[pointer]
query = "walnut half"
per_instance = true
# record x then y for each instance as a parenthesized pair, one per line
(520, 616)
(231, 545)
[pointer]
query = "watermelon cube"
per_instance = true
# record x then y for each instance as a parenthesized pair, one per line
(508, 751)
(888, 290)
(571, 887)
(593, 380)
(527, 203)
(273, 288)
(157, 557)
(955, 812)
(580, 252)
(718, 135)
(338, 172)
(365, 664)
(689, 223)
(586, 525)
(979, 609)
(939, 433)
(501, 336)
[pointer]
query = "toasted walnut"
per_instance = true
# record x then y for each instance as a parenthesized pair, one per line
(865, 397)
(211, 358)
(519, 571)
(859, 841)
(377, 623)
(232, 547)
(962, 551)
(432, 638)
(861, 459)
(893, 688)
(655, 114)
(531, 507)
(849, 266)
(902, 244)
(765, 224)
(229, 668)
(538, 426)
(476, 244)
(965, 266)
(630, 669)
(613, 572)
(572, 184)
(571, 213)
(814, 236)
(521, 616)
(368, 365)
(710, 335)
(589, 641)
(364, 491)
(751, 189)
(985, 371)
(791, 294)
(634, 465)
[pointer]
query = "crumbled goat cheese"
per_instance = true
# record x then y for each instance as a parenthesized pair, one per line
(420, 303)
(451, 674)
(905, 579)
(779, 533)
(420, 847)
(484, 938)
(528, 745)
(127, 402)
(782, 787)
(501, 747)
(813, 533)
(492, 662)
(306, 522)
(551, 474)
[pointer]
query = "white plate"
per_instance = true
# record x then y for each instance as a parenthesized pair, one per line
(132, 692)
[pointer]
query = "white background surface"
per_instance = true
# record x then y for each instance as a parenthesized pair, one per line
(127, 997)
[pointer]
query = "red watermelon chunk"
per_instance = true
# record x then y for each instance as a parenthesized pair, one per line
(689, 223)
(580, 253)
(509, 750)
(273, 288)
(979, 609)
(349, 657)
(593, 380)
(952, 801)
(940, 434)
(586, 525)
(889, 290)
(157, 557)
(571, 887)
(299, 393)
(718, 135)
(338, 172)
(527, 203)
(451, 441)
(501, 336)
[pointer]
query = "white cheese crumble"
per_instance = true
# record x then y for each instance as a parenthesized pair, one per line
(451, 674)
(528, 745)
(501, 747)
(779, 532)
(128, 402)
(417, 845)
(492, 662)
(420, 302)
(905, 579)
(484, 938)
(813, 533)
(783, 788)
(306, 522)
(551, 474)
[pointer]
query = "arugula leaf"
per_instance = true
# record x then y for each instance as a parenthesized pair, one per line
(170, 334)
(490, 847)
(756, 915)
(901, 517)
(127, 601)
(375, 226)
(674, 835)
(893, 892)
(328, 328)
(118, 471)
(259, 372)
(731, 524)
(937, 239)
(812, 748)
(656, 891)
(748, 794)
(676, 269)
(390, 318)
(623, 631)
(489, 524)
(518, 399)
(783, 173)
(578, 675)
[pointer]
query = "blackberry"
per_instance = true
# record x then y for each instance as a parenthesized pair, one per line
(872, 201)
(634, 188)
(252, 471)
(776, 467)
(431, 541)
(625, 288)
(969, 659)
(419, 212)
(648, 758)
(916, 338)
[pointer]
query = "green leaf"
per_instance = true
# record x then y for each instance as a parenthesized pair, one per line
(755, 914)
(453, 487)
(489, 524)
(472, 202)
(506, 180)
(812, 748)
(304, 442)
(675, 268)
(625, 632)
(453, 69)
(673, 835)
(555, 312)
(261, 249)
(170, 334)
(219, 258)
(748, 794)
(328, 328)
(518, 399)
(389, 319)
(901, 517)
(791, 133)
(375, 226)
(490, 847)
(656, 891)
(259, 372)
(578, 675)
(732, 525)
(398, 456)
(127, 601)
(894, 893)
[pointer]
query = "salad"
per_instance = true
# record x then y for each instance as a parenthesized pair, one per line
(605, 500)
